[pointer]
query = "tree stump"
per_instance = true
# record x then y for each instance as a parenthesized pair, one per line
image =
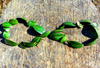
(49, 53)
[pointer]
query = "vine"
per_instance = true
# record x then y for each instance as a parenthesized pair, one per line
(54, 35)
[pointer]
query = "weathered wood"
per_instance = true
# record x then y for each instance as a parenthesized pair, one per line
(49, 53)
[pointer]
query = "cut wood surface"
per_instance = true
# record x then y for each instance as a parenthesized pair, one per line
(49, 53)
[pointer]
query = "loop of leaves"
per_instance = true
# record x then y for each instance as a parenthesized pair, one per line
(54, 35)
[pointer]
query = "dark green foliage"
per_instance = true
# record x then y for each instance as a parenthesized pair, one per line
(6, 34)
(36, 40)
(75, 44)
(63, 39)
(69, 24)
(13, 21)
(38, 29)
(23, 47)
(11, 43)
(31, 23)
(92, 41)
(56, 36)
(27, 44)
(45, 34)
(6, 25)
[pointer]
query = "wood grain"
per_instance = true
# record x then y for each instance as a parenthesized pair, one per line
(49, 53)
(3, 4)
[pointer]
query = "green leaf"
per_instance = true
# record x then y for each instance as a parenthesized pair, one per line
(58, 30)
(13, 21)
(85, 22)
(75, 44)
(93, 24)
(11, 43)
(45, 34)
(6, 25)
(69, 24)
(56, 36)
(61, 27)
(39, 29)
(79, 25)
(63, 39)
(31, 23)
(27, 44)
(92, 41)
(6, 29)
(96, 31)
(23, 47)
(6, 34)
(36, 40)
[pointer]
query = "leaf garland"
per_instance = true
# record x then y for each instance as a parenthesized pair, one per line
(54, 35)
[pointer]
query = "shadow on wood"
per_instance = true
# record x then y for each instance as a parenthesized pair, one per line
(20, 20)
(1, 35)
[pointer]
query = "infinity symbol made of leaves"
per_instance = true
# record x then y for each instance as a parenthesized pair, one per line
(54, 35)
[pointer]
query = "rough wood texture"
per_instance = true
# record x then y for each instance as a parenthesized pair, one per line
(3, 4)
(97, 4)
(49, 53)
